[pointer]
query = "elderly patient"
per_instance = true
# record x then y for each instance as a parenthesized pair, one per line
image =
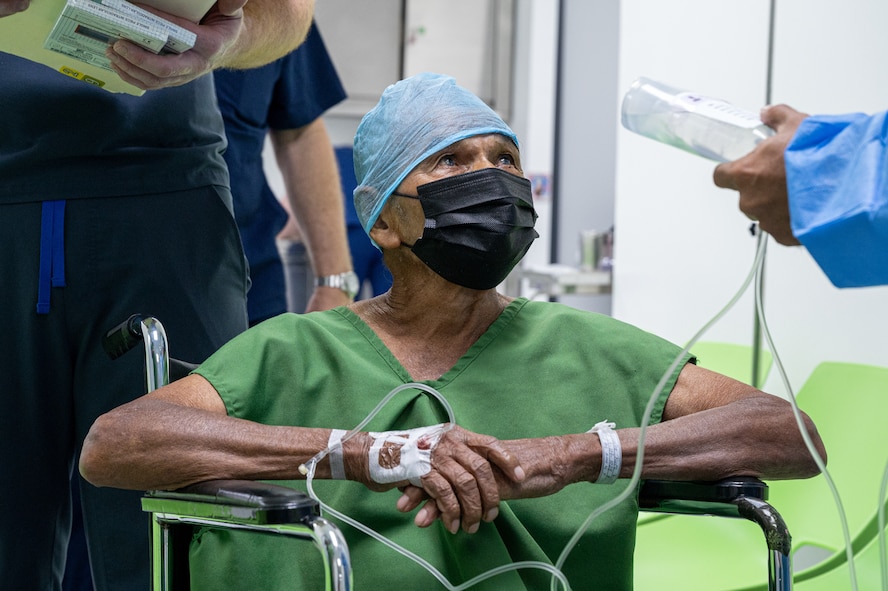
(442, 194)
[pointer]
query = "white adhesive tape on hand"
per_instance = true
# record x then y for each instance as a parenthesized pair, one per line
(334, 445)
(611, 452)
(415, 448)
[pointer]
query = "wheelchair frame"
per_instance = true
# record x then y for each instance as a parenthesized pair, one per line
(740, 497)
(228, 504)
(257, 506)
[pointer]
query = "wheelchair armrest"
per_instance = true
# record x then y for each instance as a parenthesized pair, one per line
(700, 498)
(743, 496)
(244, 501)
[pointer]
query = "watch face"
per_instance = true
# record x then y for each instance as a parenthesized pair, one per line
(347, 282)
(350, 281)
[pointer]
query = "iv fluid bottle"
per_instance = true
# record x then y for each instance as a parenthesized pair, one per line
(693, 122)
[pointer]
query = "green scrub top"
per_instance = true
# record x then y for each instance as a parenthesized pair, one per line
(541, 369)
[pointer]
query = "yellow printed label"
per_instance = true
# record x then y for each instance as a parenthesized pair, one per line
(69, 71)
(93, 81)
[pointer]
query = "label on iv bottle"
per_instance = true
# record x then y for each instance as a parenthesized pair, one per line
(719, 110)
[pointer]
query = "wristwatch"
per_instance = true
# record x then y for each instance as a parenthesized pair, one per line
(347, 282)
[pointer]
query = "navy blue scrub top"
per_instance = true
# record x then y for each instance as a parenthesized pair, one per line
(286, 94)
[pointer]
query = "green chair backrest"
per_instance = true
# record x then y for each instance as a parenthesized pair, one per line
(848, 402)
(867, 572)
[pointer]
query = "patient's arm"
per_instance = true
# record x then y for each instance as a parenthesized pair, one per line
(180, 434)
(713, 427)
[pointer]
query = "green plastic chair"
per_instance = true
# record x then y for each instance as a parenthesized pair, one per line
(848, 403)
(867, 568)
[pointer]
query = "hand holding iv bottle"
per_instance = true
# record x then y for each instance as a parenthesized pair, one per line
(699, 124)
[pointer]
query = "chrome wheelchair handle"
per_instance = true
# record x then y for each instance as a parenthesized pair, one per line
(241, 504)
(149, 331)
(157, 355)
(329, 540)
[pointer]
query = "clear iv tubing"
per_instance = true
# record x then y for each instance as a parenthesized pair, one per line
(308, 469)
(759, 306)
(646, 418)
(756, 273)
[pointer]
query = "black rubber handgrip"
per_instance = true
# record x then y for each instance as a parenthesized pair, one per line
(123, 337)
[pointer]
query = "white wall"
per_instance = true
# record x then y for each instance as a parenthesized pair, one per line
(533, 112)
(585, 157)
(682, 246)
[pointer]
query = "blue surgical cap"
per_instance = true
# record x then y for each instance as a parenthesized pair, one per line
(414, 118)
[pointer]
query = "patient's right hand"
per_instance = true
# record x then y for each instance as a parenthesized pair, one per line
(8, 7)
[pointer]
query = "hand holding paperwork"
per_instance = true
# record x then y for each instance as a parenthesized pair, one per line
(8, 7)
(70, 36)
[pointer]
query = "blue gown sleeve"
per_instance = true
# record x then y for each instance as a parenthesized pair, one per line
(838, 195)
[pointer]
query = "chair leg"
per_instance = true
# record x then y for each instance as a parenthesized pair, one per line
(169, 556)
(161, 568)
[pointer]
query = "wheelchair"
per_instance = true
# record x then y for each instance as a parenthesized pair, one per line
(268, 508)
(225, 504)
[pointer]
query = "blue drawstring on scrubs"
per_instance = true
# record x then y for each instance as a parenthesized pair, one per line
(52, 252)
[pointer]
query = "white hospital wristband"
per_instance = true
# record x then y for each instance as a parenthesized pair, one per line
(611, 452)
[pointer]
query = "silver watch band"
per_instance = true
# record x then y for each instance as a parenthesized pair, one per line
(347, 282)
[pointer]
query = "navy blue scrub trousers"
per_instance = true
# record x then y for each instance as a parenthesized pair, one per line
(177, 256)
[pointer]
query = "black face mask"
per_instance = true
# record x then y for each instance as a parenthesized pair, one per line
(478, 226)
